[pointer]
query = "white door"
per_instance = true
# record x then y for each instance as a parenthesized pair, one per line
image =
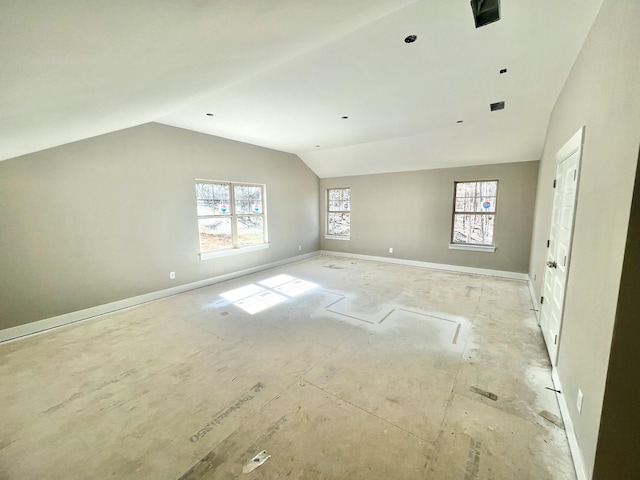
(559, 245)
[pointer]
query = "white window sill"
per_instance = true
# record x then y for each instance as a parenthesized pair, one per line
(472, 248)
(233, 251)
(336, 237)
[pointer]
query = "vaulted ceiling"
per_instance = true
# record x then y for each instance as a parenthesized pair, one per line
(283, 73)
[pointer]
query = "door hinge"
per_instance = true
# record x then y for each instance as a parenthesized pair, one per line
(575, 173)
(564, 264)
(548, 243)
(554, 184)
(555, 340)
(541, 300)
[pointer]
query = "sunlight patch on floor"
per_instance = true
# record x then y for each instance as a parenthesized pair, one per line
(254, 298)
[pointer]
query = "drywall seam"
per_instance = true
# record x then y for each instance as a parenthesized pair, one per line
(434, 266)
(39, 326)
(576, 454)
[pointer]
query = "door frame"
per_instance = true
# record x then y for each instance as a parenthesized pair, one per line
(573, 145)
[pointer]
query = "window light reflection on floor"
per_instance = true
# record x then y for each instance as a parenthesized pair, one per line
(255, 298)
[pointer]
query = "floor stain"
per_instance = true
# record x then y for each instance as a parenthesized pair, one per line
(203, 467)
(550, 417)
(484, 393)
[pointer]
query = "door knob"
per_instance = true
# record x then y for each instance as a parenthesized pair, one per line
(551, 264)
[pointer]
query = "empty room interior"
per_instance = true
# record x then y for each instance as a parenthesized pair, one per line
(364, 239)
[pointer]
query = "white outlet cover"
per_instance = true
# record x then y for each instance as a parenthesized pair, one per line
(579, 402)
(391, 250)
(172, 275)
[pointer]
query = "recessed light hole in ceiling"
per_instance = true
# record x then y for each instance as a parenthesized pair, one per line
(209, 114)
(460, 121)
(504, 70)
(411, 39)
(497, 106)
(345, 117)
(485, 11)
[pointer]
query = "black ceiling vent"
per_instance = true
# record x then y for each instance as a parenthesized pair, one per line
(497, 106)
(485, 11)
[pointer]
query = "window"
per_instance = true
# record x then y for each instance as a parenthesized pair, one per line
(230, 215)
(338, 212)
(474, 213)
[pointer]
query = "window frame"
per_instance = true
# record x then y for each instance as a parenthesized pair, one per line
(482, 247)
(329, 212)
(233, 217)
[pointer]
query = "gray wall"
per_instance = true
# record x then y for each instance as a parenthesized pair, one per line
(618, 437)
(109, 217)
(603, 93)
(412, 212)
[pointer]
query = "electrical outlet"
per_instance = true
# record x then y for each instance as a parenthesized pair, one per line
(299, 248)
(579, 402)
(172, 275)
(390, 249)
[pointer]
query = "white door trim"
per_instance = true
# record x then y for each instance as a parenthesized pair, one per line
(572, 147)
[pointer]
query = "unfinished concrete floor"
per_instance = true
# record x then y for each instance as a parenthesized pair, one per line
(347, 369)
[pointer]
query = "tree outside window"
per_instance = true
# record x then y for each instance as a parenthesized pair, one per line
(474, 212)
(230, 215)
(339, 212)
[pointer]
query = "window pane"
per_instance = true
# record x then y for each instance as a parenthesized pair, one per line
(205, 207)
(334, 200)
(221, 191)
(250, 230)
(465, 189)
(345, 200)
(204, 191)
(248, 192)
(488, 189)
(242, 206)
(339, 200)
(215, 233)
(339, 224)
(473, 229)
(469, 205)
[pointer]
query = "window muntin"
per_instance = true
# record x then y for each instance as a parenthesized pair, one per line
(339, 212)
(474, 212)
(230, 215)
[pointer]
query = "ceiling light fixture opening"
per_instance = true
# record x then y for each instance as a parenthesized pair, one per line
(504, 70)
(209, 114)
(460, 121)
(497, 106)
(345, 117)
(411, 39)
(485, 11)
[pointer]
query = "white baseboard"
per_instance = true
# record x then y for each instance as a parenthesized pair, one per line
(77, 316)
(434, 266)
(576, 453)
(80, 315)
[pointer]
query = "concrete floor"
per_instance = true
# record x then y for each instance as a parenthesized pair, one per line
(357, 370)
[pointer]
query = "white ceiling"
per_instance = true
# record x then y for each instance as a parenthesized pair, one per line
(282, 73)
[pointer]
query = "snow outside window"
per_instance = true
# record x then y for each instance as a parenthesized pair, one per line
(230, 215)
(474, 213)
(339, 212)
